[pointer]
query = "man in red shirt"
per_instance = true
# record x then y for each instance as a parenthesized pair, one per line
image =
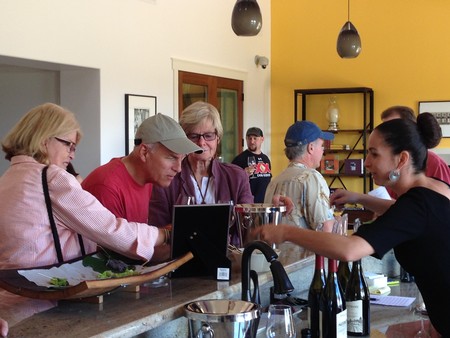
(124, 185)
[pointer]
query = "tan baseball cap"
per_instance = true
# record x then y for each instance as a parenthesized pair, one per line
(165, 130)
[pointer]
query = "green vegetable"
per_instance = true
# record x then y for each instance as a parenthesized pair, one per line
(108, 267)
(97, 264)
(109, 274)
(59, 281)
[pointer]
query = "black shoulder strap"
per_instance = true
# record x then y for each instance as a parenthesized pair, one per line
(48, 203)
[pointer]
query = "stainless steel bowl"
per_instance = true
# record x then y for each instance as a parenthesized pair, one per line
(222, 318)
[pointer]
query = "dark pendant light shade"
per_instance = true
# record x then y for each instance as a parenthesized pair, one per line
(246, 19)
(348, 42)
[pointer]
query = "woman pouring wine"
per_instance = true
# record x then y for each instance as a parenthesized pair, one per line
(416, 226)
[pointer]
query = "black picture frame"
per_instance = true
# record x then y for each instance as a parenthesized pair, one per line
(137, 109)
(441, 110)
(193, 231)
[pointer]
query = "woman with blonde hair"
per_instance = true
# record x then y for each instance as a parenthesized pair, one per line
(40, 147)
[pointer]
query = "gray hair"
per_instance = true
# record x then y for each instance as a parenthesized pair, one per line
(295, 152)
(195, 113)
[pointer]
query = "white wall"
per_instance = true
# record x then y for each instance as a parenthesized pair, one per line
(132, 44)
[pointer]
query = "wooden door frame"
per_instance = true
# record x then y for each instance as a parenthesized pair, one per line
(213, 82)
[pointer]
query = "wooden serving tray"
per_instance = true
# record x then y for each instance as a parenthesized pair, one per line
(13, 282)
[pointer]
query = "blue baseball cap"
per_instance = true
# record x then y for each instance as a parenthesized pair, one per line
(304, 132)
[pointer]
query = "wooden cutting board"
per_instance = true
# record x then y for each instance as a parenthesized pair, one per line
(13, 282)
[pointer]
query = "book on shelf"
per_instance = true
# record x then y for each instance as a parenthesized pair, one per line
(353, 166)
(329, 164)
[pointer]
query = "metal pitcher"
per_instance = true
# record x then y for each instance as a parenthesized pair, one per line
(250, 216)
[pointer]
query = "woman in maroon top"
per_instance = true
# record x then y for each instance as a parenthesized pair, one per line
(202, 175)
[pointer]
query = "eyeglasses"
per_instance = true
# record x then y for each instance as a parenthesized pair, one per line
(71, 147)
(206, 136)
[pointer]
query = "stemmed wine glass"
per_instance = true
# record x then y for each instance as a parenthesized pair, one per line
(185, 200)
(280, 323)
(251, 161)
(419, 310)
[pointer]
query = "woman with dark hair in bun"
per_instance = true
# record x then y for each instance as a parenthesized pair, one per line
(416, 226)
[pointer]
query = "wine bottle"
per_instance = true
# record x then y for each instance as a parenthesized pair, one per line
(357, 299)
(343, 274)
(343, 268)
(315, 290)
(333, 313)
(306, 333)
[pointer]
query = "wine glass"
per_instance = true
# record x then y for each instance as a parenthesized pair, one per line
(280, 323)
(420, 311)
(251, 161)
(185, 200)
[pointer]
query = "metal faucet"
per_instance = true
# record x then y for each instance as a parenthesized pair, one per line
(281, 282)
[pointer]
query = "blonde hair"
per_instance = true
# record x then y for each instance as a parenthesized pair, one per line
(41, 123)
(195, 113)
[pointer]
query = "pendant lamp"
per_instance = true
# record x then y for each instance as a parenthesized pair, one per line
(246, 19)
(348, 43)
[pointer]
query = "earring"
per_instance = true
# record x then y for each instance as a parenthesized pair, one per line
(394, 175)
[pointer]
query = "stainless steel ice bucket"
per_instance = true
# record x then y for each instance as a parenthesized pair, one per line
(219, 318)
(253, 215)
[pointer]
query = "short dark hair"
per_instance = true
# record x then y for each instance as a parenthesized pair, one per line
(405, 113)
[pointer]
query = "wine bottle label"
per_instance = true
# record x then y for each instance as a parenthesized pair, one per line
(320, 324)
(341, 324)
(355, 316)
(309, 316)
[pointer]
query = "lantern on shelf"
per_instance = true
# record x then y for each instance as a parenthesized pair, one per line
(333, 114)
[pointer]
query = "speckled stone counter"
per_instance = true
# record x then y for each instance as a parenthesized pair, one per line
(158, 311)
(154, 311)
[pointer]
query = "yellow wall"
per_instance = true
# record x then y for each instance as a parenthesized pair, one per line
(405, 55)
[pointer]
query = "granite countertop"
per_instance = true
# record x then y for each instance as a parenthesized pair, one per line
(158, 311)
(126, 314)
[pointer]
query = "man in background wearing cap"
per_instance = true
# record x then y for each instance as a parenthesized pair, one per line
(124, 185)
(260, 173)
(301, 181)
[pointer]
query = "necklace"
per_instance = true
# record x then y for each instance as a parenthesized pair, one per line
(203, 195)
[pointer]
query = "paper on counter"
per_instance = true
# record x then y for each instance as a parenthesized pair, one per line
(379, 290)
(376, 280)
(380, 192)
(391, 300)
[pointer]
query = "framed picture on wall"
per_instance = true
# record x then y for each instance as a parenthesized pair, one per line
(137, 109)
(441, 110)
